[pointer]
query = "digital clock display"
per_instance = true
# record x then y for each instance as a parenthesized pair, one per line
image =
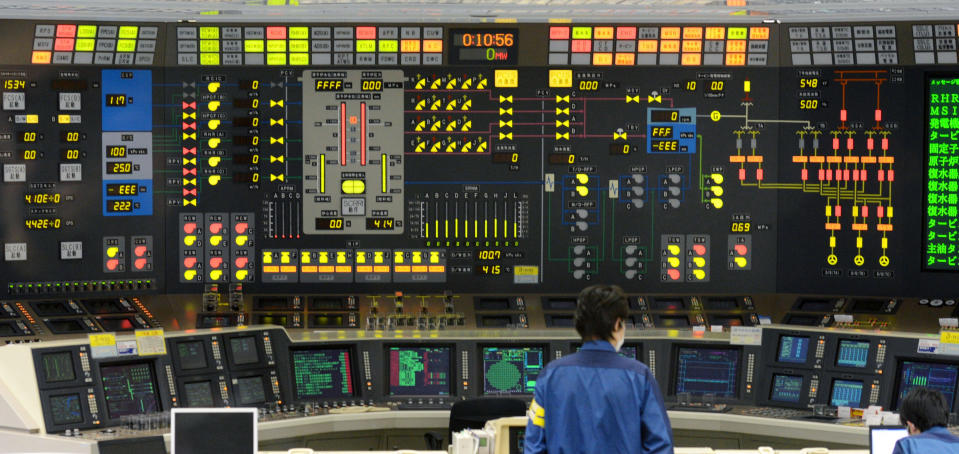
(116, 100)
(122, 189)
(380, 224)
(119, 168)
(119, 206)
(329, 223)
(42, 224)
(664, 145)
(495, 46)
(14, 84)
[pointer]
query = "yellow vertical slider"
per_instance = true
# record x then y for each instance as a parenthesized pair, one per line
(383, 172)
(323, 174)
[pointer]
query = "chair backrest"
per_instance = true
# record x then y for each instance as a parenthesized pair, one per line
(473, 413)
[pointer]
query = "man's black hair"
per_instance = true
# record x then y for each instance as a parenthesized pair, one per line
(925, 408)
(597, 309)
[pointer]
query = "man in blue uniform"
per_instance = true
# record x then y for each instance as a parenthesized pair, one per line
(926, 414)
(596, 401)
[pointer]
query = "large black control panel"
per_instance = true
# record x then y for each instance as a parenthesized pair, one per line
(744, 158)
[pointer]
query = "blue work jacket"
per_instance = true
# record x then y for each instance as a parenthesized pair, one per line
(937, 440)
(596, 401)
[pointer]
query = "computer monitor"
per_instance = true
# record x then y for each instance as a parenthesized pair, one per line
(419, 370)
(250, 390)
(66, 408)
(243, 350)
(191, 355)
(786, 388)
(511, 369)
(58, 367)
(206, 430)
(630, 350)
(852, 353)
(941, 377)
(323, 373)
(793, 349)
(846, 393)
(129, 388)
(198, 393)
(139, 445)
(882, 439)
(707, 370)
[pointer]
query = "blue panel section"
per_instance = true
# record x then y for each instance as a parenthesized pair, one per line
(127, 100)
(671, 131)
(123, 204)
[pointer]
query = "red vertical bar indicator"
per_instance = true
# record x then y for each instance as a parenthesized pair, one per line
(342, 133)
(362, 133)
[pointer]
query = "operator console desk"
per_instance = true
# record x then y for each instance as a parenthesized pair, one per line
(67, 402)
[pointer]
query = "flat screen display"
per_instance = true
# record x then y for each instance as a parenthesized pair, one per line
(705, 370)
(58, 367)
(852, 353)
(793, 349)
(846, 393)
(786, 388)
(420, 371)
(512, 370)
(192, 355)
(920, 374)
(249, 390)
(65, 409)
(323, 373)
(244, 350)
(129, 389)
(198, 394)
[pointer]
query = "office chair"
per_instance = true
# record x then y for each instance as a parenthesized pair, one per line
(473, 414)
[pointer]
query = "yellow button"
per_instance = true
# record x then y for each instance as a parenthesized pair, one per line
(353, 187)
(213, 124)
(324, 257)
(213, 180)
(699, 274)
(699, 262)
(340, 257)
(717, 203)
(582, 178)
(741, 262)
(189, 240)
(378, 257)
(305, 257)
(112, 252)
(361, 257)
(397, 256)
(434, 257)
(215, 240)
(417, 257)
(285, 257)
(213, 143)
(506, 78)
(189, 275)
(241, 240)
(673, 249)
(716, 190)
(213, 87)
(213, 161)
(267, 257)
(241, 275)
(717, 178)
(583, 191)
(216, 275)
(673, 262)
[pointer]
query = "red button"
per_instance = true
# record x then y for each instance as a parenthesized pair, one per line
(215, 262)
(189, 227)
(275, 32)
(189, 262)
(215, 228)
(140, 250)
(241, 227)
(741, 249)
(112, 264)
(241, 262)
(673, 274)
(365, 32)
(140, 263)
(63, 44)
(559, 33)
(699, 249)
(66, 31)
(625, 32)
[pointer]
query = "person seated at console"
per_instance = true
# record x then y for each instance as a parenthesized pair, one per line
(596, 401)
(925, 413)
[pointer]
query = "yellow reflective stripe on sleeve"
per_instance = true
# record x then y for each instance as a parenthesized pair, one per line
(539, 422)
(536, 409)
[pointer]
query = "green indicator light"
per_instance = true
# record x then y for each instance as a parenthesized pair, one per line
(87, 31)
(276, 45)
(582, 32)
(389, 45)
(209, 32)
(737, 33)
(366, 45)
(299, 33)
(209, 59)
(127, 31)
(126, 45)
(85, 45)
(299, 59)
(209, 45)
(275, 59)
(253, 45)
(299, 45)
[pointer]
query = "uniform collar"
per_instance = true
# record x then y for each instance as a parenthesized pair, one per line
(598, 345)
(937, 430)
